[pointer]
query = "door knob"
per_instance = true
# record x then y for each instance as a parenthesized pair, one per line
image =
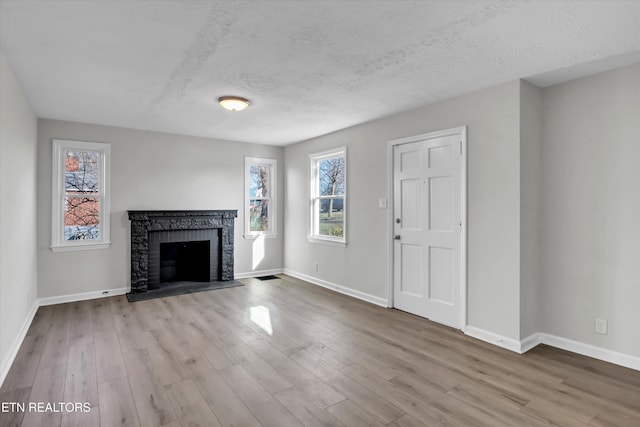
(396, 237)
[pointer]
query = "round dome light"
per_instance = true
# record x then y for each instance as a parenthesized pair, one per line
(233, 103)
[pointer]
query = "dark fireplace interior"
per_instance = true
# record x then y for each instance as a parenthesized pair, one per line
(183, 256)
(184, 261)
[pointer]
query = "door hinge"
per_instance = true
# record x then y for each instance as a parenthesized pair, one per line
(460, 147)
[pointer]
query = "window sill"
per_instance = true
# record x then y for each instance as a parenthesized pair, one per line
(330, 242)
(255, 236)
(83, 247)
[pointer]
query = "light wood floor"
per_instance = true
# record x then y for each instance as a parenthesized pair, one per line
(324, 360)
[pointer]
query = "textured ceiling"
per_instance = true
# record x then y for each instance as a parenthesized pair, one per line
(309, 67)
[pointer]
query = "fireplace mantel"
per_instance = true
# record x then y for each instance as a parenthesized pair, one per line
(145, 222)
(167, 215)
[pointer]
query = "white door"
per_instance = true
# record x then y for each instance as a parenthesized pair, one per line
(427, 214)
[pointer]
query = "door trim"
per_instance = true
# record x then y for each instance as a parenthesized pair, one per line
(462, 131)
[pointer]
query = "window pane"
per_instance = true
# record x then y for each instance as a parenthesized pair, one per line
(81, 218)
(259, 215)
(81, 172)
(331, 176)
(259, 181)
(331, 217)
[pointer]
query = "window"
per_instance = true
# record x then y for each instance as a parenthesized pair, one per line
(80, 196)
(328, 197)
(260, 197)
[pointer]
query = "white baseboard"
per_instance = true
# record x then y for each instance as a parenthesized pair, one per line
(82, 296)
(529, 342)
(338, 288)
(611, 356)
(17, 342)
(492, 338)
(606, 355)
(258, 273)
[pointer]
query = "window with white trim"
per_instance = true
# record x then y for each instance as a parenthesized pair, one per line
(260, 197)
(80, 195)
(328, 179)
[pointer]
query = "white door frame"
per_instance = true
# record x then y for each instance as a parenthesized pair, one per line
(462, 131)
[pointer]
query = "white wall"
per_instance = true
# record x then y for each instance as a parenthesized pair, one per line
(492, 117)
(18, 267)
(530, 207)
(591, 209)
(149, 170)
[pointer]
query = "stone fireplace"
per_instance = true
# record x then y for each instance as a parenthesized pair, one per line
(180, 247)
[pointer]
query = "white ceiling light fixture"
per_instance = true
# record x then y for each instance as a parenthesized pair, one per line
(233, 103)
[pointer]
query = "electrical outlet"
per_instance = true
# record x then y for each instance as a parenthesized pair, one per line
(315, 266)
(601, 326)
(382, 203)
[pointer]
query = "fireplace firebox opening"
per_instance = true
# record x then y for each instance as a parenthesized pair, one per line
(185, 261)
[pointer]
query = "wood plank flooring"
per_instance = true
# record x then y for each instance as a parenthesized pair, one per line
(286, 353)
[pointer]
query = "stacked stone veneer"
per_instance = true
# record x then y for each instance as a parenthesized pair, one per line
(144, 222)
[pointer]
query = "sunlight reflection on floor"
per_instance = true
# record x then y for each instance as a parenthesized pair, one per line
(260, 316)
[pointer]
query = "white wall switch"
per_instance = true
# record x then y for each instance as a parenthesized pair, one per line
(601, 326)
(382, 203)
